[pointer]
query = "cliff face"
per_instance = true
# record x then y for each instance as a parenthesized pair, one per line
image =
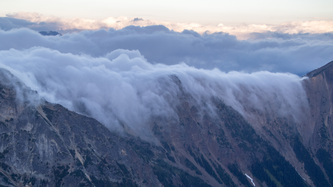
(45, 144)
(319, 87)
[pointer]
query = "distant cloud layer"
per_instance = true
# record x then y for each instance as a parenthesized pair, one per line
(38, 21)
(271, 51)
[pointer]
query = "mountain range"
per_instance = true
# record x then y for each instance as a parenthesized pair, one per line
(45, 144)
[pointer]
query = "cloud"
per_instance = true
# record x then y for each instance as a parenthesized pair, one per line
(123, 90)
(270, 51)
(7, 23)
(125, 77)
(242, 31)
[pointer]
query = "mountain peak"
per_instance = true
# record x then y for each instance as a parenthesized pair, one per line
(328, 66)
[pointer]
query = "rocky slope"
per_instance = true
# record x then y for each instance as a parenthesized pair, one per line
(320, 95)
(44, 144)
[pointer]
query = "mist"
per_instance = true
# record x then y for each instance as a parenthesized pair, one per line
(123, 90)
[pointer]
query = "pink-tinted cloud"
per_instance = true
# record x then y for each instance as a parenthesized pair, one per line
(242, 31)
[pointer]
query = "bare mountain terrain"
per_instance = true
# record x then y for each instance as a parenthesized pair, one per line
(45, 144)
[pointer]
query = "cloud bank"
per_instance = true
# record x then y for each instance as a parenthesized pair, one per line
(124, 91)
(276, 52)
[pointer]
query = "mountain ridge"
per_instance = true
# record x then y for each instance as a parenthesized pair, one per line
(46, 144)
(317, 71)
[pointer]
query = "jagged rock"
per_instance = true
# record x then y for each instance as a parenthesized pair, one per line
(49, 33)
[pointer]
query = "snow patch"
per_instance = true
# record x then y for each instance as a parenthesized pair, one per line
(250, 179)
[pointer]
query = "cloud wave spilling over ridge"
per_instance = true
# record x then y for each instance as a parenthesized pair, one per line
(123, 90)
(125, 77)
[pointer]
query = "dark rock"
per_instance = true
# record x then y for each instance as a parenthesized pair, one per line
(49, 33)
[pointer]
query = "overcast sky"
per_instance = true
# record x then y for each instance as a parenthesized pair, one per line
(199, 11)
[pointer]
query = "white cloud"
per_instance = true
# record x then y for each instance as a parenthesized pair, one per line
(122, 89)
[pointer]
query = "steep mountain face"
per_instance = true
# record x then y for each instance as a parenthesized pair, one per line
(45, 144)
(222, 148)
(319, 87)
(320, 93)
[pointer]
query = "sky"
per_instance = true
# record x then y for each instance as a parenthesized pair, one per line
(206, 12)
